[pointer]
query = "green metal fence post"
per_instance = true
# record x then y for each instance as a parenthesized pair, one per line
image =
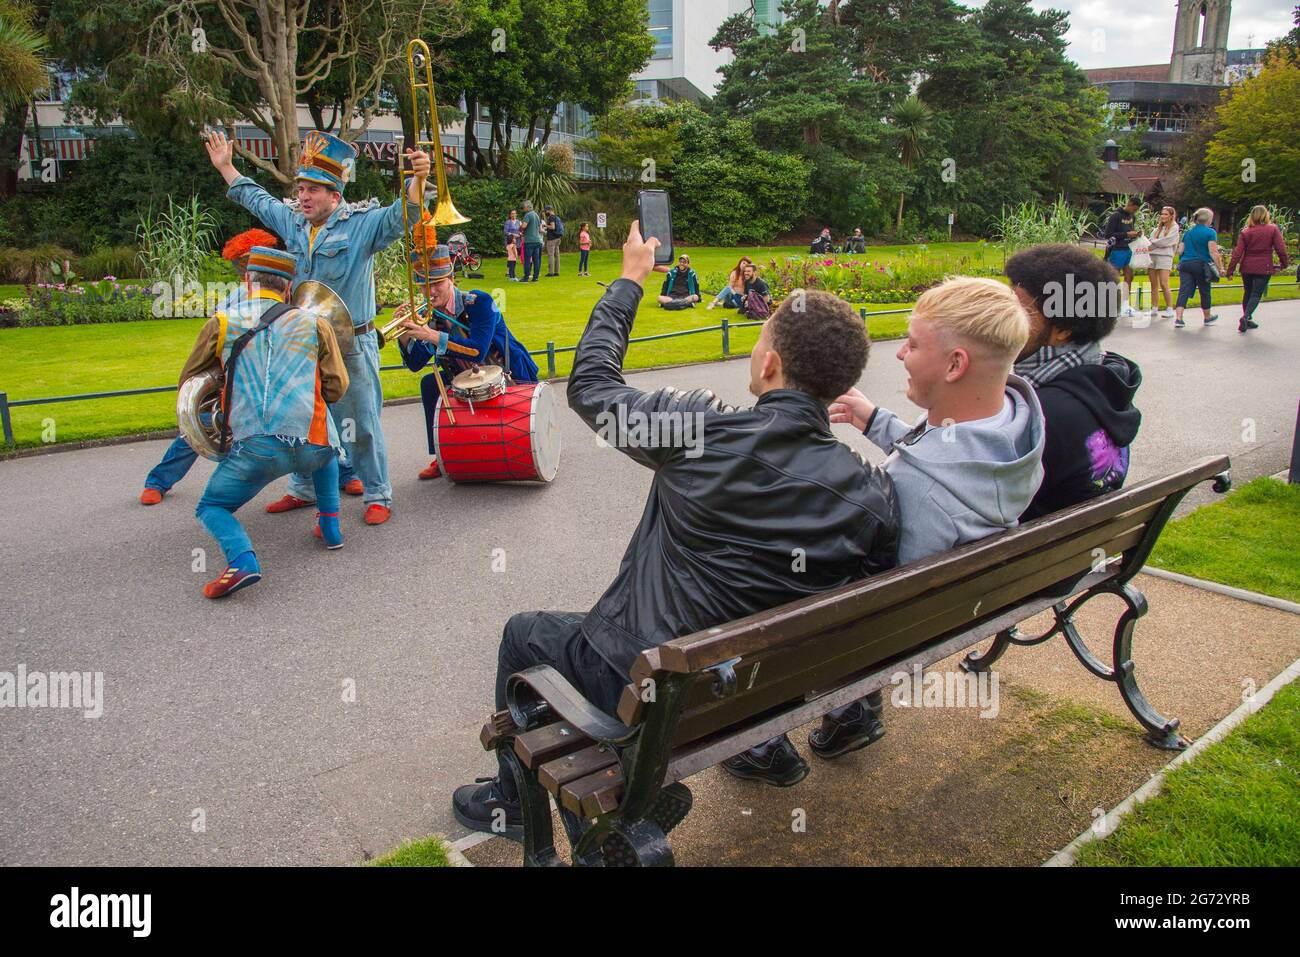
(4, 418)
(550, 359)
(726, 336)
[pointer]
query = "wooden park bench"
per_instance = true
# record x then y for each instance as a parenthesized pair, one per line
(699, 699)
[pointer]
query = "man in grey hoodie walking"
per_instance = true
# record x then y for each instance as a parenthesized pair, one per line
(968, 468)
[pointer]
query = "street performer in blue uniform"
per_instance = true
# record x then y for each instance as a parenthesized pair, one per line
(478, 336)
(335, 242)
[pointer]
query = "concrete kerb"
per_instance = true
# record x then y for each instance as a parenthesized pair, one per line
(1106, 824)
(1281, 604)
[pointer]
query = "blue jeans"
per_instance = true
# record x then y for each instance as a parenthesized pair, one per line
(532, 260)
(1193, 275)
(253, 464)
(176, 461)
(583, 256)
(356, 416)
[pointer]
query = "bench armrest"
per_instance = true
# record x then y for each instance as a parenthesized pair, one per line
(531, 692)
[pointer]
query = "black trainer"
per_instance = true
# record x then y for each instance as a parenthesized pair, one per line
(1252, 324)
(856, 729)
(477, 806)
(781, 766)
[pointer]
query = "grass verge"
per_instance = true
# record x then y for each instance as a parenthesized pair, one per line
(1249, 540)
(1235, 805)
(426, 852)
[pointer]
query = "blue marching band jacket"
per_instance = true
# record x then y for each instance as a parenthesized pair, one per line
(487, 335)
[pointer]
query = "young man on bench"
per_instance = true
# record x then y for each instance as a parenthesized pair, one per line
(966, 469)
(762, 507)
(1073, 300)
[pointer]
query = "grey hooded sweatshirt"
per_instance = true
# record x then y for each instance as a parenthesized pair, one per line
(962, 482)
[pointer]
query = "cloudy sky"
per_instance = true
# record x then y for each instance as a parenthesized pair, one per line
(1133, 33)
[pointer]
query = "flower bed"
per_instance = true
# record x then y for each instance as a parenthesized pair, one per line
(898, 279)
(58, 304)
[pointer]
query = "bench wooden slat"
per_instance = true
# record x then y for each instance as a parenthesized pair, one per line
(548, 743)
(937, 602)
(554, 774)
(827, 664)
(595, 794)
(631, 709)
(693, 652)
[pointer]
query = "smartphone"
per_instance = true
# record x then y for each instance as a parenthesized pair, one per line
(655, 214)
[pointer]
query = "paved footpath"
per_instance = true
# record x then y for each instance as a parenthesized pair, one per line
(327, 714)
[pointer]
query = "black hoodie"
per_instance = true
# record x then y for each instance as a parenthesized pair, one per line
(1091, 422)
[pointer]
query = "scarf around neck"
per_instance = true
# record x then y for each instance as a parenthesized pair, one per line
(1047, 363)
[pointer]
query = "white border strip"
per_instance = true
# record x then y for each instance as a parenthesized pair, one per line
(1107, 823)
(1252, 596)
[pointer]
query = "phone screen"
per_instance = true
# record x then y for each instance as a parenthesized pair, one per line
(655, 215)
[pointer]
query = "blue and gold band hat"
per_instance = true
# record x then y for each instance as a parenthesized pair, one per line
(429, 265)
(327, 160)
(277, 262)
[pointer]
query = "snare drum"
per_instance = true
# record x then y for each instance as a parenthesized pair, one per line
(513, 436)
(479, 384)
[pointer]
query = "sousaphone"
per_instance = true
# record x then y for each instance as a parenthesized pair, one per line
(198, 402)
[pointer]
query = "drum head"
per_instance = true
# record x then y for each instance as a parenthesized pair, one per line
(485, 381)
(546, 432)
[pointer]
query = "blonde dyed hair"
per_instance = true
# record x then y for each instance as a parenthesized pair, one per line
(980, 311)
(1260, 216)
(1204, 216)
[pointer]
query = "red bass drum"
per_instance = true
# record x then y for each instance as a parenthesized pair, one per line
(510, 437)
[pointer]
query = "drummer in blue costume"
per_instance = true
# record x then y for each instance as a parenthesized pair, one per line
(479, 336)
(335, 243)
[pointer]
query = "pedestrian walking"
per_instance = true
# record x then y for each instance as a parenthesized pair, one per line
(1198, 266)
(1254, 251)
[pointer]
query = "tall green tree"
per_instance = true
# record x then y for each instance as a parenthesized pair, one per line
(911, 123)
(168, 65)
(1254, 157)
(22, 76)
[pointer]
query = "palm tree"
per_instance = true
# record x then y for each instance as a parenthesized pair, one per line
(545, 175)
(22, 71)
(911, 120)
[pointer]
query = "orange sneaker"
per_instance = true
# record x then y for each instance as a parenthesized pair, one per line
(378, 514)
(287, 504)
(354, 487)
(231, 580)
(150, 496)
(432, 472)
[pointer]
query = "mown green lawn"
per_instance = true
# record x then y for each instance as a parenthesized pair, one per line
(1250, 540)
(1235, 805)
(426, 852)
(54, 361)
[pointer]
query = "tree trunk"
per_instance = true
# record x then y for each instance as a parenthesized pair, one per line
(11, 144)
(898, 228)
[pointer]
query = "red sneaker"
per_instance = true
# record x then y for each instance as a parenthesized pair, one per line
(231, 581)
(354, 487)
(287, 504)
(432, 472)
(378, 514)
(150, 496)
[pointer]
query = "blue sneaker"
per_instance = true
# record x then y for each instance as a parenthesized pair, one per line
(327, 529)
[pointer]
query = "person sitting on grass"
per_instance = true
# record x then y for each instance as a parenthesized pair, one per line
(756, 302)
(681, 288)
(967, 468)
(732, 295)
(857, 242)
(724, 513)
(823, 243)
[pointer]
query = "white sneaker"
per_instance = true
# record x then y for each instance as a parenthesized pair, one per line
(1167, 314)
(1128, 312)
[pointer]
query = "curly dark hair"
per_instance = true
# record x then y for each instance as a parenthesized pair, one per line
(1055, 269)
(822, 342)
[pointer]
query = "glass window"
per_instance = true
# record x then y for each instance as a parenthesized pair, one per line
(661, 28)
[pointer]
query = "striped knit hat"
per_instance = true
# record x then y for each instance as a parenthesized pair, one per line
(431, 264)
(275, 262)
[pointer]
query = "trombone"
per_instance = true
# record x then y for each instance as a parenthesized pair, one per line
(416, 235)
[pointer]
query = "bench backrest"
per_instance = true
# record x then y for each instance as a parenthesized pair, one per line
(825, 641)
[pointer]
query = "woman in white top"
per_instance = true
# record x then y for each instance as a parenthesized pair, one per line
(1164, 242)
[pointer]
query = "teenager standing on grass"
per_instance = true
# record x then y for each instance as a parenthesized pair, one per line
(1199, 264)
(1254, 250)
(512, 230)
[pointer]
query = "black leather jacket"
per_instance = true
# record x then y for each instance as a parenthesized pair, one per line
(749, 508)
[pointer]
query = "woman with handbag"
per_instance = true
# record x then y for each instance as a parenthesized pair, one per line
(1164, 240)
(1199, 265)
(1254, 250)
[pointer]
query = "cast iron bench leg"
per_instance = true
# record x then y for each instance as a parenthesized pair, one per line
(539, 838)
